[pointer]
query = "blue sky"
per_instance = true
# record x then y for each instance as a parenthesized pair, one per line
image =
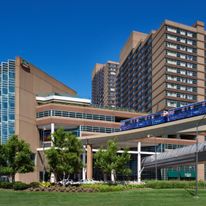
(65, 38)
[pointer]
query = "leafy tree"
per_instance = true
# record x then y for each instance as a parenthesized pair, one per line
(15, 157)
(64, 158)
(109, 161)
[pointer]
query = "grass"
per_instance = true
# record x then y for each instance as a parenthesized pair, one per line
(144, 197)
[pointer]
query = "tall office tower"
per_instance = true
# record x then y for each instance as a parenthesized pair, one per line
(104, 84)
(163, 69)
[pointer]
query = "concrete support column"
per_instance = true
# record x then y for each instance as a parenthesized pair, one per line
(139, 162)
(52, 132)
(84, 163)
(201, 167)
(89, 162)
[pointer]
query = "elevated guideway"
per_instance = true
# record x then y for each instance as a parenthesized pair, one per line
(183, 126)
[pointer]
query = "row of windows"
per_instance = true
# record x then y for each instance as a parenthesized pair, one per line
(181, 40)
(181, 63)
(99, 129)
(181, 71)
(180, 31)
(181, 79)
(180, 95)
(173, 103)
(181, 48)
(182, 56)
(181, 87)
(75, 115)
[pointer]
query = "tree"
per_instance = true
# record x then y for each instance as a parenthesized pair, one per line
(110, 162)
(64, 158)
(16, 157)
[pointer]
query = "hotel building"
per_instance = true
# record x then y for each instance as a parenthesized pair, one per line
(104, 84)
(162, 69)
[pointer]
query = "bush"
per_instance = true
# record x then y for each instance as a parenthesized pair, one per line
(20, 186)
(173, 184)
(34, 184)
(45, 184)
(6, 185)
(104, 187)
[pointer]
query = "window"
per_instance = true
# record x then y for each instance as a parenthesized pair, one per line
(182, 32)
(182, 56)
(183, 96)
(183, 72)
(173, 62)
(190, 34)
(189, 65)
(173, 38)
(182, 88)
(173, 78)
(172, 94)
(173, 46)
(189, 73)
(171, 29)
(190, 97)
(189, 89)
(189, 81)
(172, 86)
(173, 54)
(182, 48)
(182, 40)
(171, 103)
(182, 64)
(189, 49)
(173, 70)
(190, 42)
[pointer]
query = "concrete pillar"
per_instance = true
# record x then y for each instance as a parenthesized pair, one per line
(201, 167)
(84, 163)
(139, 162)
(89, 162)
(52, 132)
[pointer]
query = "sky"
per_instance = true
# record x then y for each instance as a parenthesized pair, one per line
(65, 38)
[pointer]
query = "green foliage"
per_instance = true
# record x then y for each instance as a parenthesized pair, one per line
(15, 157)
(34, 184)
(20, 186)
(45, 184)
(108, 160)
(64, 158)
(173, 184)
(6, 185)
(104, 187)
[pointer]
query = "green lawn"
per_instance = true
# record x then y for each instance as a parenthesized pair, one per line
(138, 198)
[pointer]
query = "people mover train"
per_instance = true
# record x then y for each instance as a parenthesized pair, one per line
(187, 111)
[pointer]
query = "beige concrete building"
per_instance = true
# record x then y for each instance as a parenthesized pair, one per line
(33, 105)
(162, 69)
(104, 84)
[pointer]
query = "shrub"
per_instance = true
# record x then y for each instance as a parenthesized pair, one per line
(6, 185)
(45, 184)
(104, 187)
(20, 186)
(173, 184)
(34, 184)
